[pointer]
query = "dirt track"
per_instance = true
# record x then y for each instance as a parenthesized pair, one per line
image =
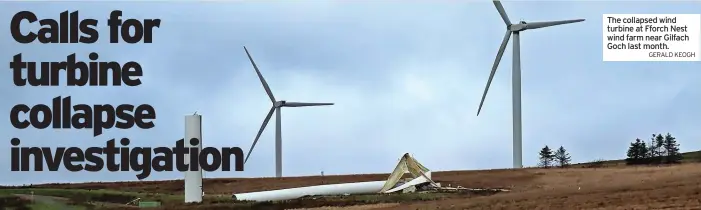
(667, 187)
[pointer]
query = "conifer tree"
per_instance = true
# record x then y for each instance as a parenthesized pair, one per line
(655, 149)
(562, 157)
(671, 148)
(633, 155)
(546, 157)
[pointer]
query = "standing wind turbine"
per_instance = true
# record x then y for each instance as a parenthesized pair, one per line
(277, 105)
(515, 29)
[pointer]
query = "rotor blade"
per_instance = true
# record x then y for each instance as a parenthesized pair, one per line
(494, 68)
(262, 127)
(260, 76)
(300, 104)
(502, 12)
(534, 25)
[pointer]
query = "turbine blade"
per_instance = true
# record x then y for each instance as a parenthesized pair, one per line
(260, 76)
(301, 104)
(502, 12)
(534, 25)
(494, 68)
(262, 127)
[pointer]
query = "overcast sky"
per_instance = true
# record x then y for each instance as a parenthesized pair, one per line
(405, 77)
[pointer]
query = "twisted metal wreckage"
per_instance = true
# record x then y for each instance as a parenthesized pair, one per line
(420, 177)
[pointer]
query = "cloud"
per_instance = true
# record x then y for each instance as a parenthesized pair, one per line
(405, 77)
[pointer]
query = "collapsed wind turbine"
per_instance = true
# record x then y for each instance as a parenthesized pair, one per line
(515, 29)
(277, 105)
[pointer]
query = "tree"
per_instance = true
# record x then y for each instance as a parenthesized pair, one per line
(659, 144)
(638, 153)
(644, 152)
(634, 155)
(546, 157)
(562, 157)
(671, 148)
(655, 150)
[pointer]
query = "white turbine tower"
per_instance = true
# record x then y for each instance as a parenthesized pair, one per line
(515, 29)
(277, 105)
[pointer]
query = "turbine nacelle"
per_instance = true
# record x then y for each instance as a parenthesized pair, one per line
(513, 30)
(521, 26)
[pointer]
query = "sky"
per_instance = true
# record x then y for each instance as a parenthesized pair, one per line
(405, 77)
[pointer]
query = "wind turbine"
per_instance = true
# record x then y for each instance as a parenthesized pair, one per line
(276, 107)
(515, 29)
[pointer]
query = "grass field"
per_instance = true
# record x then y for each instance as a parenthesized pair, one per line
(601, 185)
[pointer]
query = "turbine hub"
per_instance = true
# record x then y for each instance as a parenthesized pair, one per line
(279, 103)
(521, 26)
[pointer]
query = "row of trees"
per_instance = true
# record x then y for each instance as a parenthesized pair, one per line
(548, 158)
(660, 150)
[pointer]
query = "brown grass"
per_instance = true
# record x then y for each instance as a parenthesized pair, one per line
(358, 207)
(666, 187)
(618, 187)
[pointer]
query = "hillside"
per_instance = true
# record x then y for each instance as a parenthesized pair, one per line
(693, 156)
(610, 186)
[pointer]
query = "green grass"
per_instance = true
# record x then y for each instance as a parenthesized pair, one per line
(692, 156)
(54, 206)
(13, 201)
(86, 196)
(77, 198)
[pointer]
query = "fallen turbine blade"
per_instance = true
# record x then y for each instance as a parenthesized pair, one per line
(502, 12)
(534, 25)
(300, 104)
(260, 76)
(262, 127)
(494, 68)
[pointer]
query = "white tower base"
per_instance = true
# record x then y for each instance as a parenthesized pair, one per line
(193, 179)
